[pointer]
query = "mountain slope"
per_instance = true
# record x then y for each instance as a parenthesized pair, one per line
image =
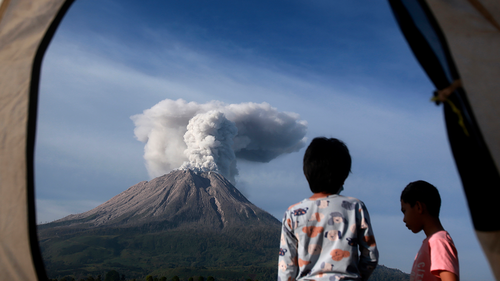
(183, 223)
(179, 199)
(180, 220)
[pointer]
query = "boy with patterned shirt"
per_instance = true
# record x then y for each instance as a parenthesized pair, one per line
(321, 235)
(437, 258)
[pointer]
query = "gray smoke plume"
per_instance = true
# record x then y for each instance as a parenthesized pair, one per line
(209, 140)
(211, 136)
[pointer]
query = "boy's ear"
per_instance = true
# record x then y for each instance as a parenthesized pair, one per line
(420, 207)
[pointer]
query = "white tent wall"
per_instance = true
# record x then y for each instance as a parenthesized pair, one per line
(26, 27)
(474, 42)
(23, 27)
(472, 30)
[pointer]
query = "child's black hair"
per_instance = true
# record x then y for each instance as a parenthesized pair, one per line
(425, 193)
(327, 164)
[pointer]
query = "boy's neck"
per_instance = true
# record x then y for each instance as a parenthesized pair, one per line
(432, 225)
(319, 195)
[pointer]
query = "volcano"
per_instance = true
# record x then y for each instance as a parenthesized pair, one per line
(183, 223)
(180, 199)
(182, 220)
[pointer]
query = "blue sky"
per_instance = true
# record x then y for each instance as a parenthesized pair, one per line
(344, 67)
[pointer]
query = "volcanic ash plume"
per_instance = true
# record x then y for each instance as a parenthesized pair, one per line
(209, 140)
(211, 136)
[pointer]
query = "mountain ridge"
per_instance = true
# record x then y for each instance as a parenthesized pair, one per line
(179, 199)
(183, 219)
(183, 222)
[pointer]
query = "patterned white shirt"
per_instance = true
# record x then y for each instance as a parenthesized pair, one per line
(321, 237)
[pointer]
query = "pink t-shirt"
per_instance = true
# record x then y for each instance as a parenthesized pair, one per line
(437, 253)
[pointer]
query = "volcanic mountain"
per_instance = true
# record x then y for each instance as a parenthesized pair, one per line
(183, 219)
(180, 199)
(183, 223)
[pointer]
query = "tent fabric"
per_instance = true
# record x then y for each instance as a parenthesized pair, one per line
(471, 29)
(451, 39)
(26, 27)
(474, 42)
(459, 39)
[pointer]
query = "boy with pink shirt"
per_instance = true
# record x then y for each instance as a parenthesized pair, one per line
(437, 258)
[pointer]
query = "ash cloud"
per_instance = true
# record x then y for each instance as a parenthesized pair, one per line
(212, 136)
(209, 140)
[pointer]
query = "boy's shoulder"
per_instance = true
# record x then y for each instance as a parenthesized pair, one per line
(351, 199)
(320, 200)
(440, 235)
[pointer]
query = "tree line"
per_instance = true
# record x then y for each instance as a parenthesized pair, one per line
(113, 275)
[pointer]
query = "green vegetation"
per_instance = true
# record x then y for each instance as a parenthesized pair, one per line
(228, 255)
(184, 255)
(382, 273)
(112, 275)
